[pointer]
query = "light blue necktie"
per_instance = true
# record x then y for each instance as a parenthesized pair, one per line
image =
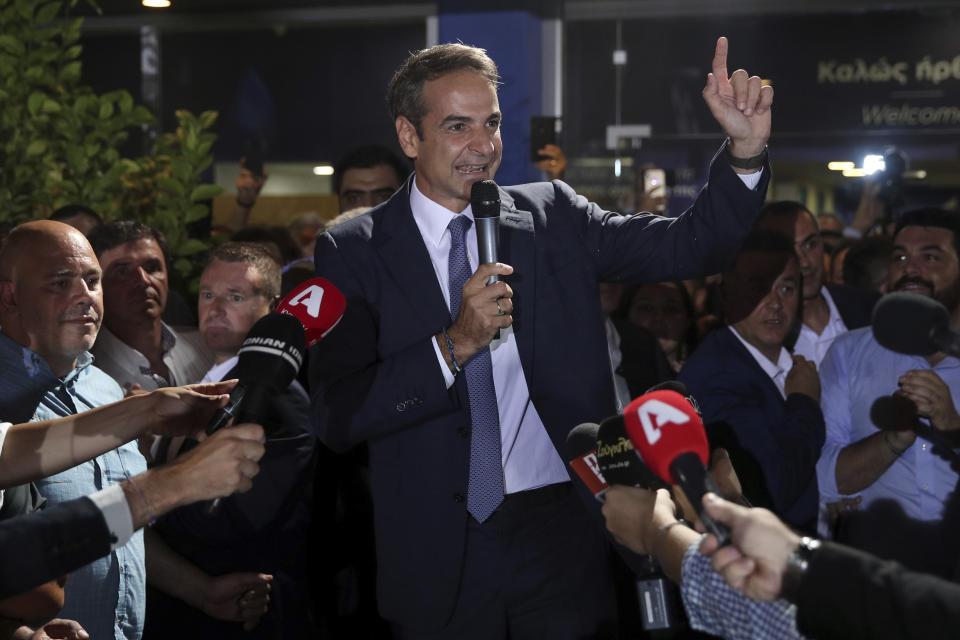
(485, 490)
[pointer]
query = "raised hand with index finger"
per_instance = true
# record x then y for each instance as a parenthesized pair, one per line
(740, 103)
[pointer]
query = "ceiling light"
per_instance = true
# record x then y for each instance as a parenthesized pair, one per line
(840, 166)
(854, 173)
(323, 170)
(156, 4)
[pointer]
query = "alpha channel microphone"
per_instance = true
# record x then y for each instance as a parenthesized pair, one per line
(668, 433)
(317, 304)
(485, 203)
(582, 457)
(914, 324)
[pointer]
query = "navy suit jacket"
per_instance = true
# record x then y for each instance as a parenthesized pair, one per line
(774, 443)
(376, 376)
(41, 546)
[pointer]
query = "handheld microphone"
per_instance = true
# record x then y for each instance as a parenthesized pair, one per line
(582, 457)
(485, 203)
(618, 460)
(914, 324)
(670, 438)
(268, 361)
(899, 413)
(317, 304)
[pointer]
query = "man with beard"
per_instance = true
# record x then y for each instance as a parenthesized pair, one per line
(896, 471)
(135, 346)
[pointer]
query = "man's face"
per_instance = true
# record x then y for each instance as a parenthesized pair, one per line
(766, 326)
(925, 262)
(57, 299)
(367, 187)
(461, 138)
(229, 305)
(134, 282)
(809, 248)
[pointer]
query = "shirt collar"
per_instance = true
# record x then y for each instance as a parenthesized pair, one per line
(835, 318)
(432, 218)
(217, 371)
(783, 364)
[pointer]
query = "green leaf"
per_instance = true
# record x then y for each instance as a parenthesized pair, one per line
(196, 212)
(106, 110)
(48, 12)
(12, 44)
(125, 102)
(36, 147)
(35, 101)
(191, 247)
(51, 106)
(183, 266)
(205, 192)
(207, 118)
(70, 72)
(171, 184)
(34, 73)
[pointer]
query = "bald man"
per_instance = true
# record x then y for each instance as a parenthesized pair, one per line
(51, 307)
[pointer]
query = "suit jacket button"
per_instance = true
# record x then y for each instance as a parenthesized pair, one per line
(401, 407)
(458, 497)
(463, 432)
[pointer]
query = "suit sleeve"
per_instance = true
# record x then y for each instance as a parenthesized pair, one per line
(850, 594)
(651, 248)
(797, 438)
(41, 546)
(357, 392)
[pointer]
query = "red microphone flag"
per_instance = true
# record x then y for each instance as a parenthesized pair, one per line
(663, 425)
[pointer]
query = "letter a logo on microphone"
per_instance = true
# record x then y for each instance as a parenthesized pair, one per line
(660, 413)
(313, 295)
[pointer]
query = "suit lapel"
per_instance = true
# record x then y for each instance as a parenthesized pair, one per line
(407, 262)
(518, 249)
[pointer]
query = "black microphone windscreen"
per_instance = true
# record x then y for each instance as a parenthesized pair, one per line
(669, 385)
(581, 440)
(617, 458)
(906, 322)
(272, 353)
(485, 199)
(894, 413)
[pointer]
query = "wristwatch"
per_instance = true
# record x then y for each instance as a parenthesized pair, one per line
(753, 162)
(797, 563)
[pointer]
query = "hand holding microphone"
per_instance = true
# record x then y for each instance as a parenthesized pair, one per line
(668, 433)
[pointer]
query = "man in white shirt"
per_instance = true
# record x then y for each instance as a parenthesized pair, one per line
(135, 346)
(827, 310)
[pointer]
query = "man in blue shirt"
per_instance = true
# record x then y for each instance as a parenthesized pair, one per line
(860, 462)
(51, 308)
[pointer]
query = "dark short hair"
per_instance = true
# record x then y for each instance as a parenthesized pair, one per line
(763, 241)
(255, 255)
(405, 93)
(932, 217)
(288, 248)
(368, 157)
(70, 210)
(868, 262)
(782, 211)
(110, 235)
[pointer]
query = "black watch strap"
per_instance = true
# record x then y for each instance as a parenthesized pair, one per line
(753, 162)
(797, 564)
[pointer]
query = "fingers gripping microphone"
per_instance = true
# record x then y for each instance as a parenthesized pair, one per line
(899, 413)
(669, 435)
(914, 324)
(317, 304)
(582, 457)
(485, 203)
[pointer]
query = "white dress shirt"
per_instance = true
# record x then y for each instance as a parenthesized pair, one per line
(777, 371)
(529, 458)
(814, 347)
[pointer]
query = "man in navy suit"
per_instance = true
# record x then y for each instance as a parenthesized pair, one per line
(759, 402)
(465, 392)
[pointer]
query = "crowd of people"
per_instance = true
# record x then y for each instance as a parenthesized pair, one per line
(411, 483)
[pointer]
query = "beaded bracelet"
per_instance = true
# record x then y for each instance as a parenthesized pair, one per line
(456, 366)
